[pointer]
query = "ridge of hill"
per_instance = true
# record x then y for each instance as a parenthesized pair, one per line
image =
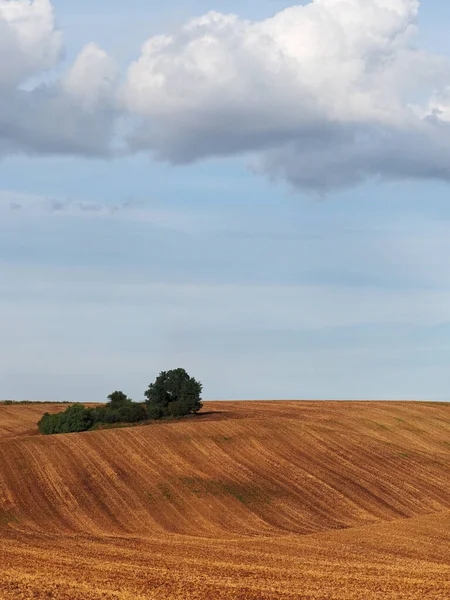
(243, 481)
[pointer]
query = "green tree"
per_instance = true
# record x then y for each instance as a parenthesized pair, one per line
(118, 399)
(173, 393)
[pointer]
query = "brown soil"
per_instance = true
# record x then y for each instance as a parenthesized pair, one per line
(251, 500)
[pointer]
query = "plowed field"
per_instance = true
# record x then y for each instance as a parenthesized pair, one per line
(251, 500)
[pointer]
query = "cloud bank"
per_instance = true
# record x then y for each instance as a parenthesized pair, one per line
(323, 96)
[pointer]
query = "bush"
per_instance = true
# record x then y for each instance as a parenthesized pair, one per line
(134, 412)
(74, 418)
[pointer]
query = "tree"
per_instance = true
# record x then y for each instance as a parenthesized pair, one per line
(174, 393)
(118, 399)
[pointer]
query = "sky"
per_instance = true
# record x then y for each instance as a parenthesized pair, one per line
(256, 191)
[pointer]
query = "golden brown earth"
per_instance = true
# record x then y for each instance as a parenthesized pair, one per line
(253, 500)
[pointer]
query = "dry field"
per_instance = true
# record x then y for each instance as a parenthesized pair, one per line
(253, 500)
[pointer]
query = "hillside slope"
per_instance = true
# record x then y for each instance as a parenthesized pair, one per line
(20, 419)
(270, 472)
(251, 469)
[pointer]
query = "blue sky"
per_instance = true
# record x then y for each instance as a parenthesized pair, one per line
(266, 270)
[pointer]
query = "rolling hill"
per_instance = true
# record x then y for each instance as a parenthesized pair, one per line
(330, 500)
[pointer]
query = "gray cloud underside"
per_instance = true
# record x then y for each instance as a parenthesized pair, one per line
(45, 121)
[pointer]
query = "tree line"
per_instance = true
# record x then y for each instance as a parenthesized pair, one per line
(173, 394)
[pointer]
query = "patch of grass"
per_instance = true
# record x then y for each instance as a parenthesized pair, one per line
(165, 491)
(220, 438)
(194, 484)
(7, 517)
(236, 493)
(149, 496)
(382, 426)
(403, 454)
(204, 487)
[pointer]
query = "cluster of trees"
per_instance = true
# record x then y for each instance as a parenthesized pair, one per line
(173, 394)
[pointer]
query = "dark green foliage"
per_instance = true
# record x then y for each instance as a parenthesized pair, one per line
(154, 412)
(174, 394)
(120, 409)
(10, 402)
(136, 412)
(129, 412)
(118, 399)
(105, 414)
(48, 424)
(75, 418)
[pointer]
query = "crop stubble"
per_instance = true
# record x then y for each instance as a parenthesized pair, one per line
(260, 500)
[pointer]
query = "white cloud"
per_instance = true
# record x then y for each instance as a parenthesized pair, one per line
(90, 80)
(323, 95)
(29, 41)
(74, 115)
(439, 105)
